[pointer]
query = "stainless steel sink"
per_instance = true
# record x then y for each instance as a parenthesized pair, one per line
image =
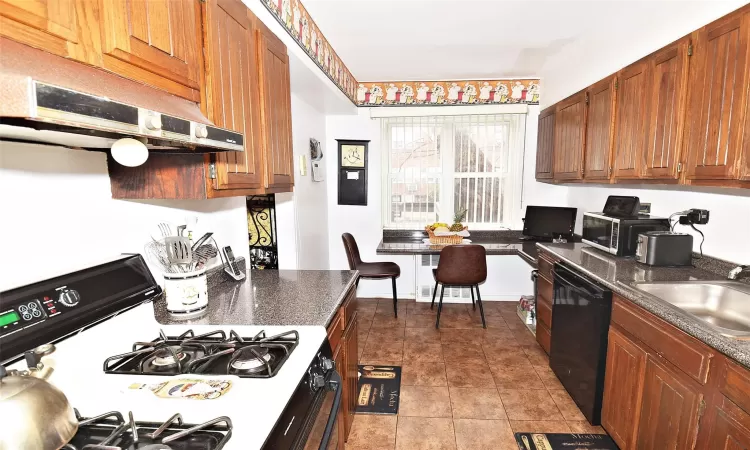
(724, 305)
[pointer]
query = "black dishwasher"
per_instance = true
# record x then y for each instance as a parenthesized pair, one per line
(578, 350)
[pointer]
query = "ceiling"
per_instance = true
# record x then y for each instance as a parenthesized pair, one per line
(474, 39)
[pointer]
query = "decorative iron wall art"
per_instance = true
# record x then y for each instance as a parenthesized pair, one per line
(261, 227)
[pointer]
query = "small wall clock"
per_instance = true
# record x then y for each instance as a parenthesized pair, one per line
(352, 172)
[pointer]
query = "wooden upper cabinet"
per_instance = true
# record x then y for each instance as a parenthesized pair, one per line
(157, 42)
(232, 90)
(718, 90)
(630, 120)
(570, 137)
(623, 383)
(67, 28)
(670, 410)
(276, 111)
(545, 144)
(667, 94)
(600, 128)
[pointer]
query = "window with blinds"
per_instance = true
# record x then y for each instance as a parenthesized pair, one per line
(437, 165)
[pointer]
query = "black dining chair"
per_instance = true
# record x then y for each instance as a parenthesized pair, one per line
(461, 266)
(371, 270)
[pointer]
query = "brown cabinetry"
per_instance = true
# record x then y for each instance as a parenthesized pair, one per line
(342, 336)
(275, 110)
(599, 130)
(247, 90)
(679, 115)
(667, 94)
(66, 28)
(671, 407)
(157, 42)
(545, 144)
(731, 427)
(232, 96)
(718, 90)
(623, 384)
(630, 121)
(570, 138)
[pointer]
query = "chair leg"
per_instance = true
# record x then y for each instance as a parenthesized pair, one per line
(473, 305)
(440, 305)
(395, 298)
(434, 291)
(481, 309)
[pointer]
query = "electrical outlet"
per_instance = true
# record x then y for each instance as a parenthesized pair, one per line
(698, 216)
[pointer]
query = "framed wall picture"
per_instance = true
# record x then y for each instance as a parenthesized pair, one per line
(352, 155)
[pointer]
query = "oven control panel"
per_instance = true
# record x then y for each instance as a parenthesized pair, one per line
(30, 311)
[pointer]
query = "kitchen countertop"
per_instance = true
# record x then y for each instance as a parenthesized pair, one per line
(495, 242)
(619, 274)
(270, 297)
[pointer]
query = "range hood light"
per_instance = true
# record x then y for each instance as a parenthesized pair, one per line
(129, 152)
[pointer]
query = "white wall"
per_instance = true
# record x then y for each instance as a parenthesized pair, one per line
(585, 61)
(310, 197)
(58, 214)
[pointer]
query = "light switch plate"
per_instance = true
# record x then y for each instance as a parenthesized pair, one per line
(302, 165)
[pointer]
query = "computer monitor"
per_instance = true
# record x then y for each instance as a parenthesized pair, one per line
(548, 222)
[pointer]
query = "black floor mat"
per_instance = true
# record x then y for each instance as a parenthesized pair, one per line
(564, 441)
(379, 389)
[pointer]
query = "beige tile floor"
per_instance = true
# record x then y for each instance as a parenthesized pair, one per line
(462, 387)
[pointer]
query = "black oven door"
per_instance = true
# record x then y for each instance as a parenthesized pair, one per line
(324, 431)
(309, 420)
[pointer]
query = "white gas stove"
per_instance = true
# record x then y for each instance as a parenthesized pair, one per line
(254, 405)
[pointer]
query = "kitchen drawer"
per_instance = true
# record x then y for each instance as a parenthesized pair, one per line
(545, 263)
(544, 289)
(544, 311)
(336, 330)
(543, 336)
(684, 351)
(735, 385)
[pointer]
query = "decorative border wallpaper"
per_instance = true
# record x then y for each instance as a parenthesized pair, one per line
(298, 23)
(465, 92)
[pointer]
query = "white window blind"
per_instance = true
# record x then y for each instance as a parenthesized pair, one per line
(436, 165)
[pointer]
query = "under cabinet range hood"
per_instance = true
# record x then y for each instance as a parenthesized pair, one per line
(53, 100)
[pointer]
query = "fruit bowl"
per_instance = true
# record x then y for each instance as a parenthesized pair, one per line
(447, 238)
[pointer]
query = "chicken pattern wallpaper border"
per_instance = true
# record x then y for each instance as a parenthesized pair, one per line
(464, 92)
(298, 23)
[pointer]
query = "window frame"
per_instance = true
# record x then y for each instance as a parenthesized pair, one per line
(510, 181)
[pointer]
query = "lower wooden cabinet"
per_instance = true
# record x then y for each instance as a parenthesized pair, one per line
(730, 429)
(343, 337)
(623, 384)
(671, 407)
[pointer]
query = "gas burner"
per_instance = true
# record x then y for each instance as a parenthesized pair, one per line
(113, 431)
(251, 359)
(214, 353)
(165, 357)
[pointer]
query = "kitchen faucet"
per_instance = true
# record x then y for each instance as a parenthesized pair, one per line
(739, 272)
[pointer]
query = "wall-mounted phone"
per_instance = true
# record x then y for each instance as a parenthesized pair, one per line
(316, 163)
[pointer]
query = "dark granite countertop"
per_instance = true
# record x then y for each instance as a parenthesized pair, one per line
(619, 274)
(495, 242)
(270, 297)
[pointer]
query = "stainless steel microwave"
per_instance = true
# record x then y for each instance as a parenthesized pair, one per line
(618, 235)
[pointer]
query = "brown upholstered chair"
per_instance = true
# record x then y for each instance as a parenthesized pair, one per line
(371, 270)
(460, 266)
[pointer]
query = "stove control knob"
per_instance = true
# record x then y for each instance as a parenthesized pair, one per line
(318, 381)
(69, 297)
(326, 364)
(201, 131)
